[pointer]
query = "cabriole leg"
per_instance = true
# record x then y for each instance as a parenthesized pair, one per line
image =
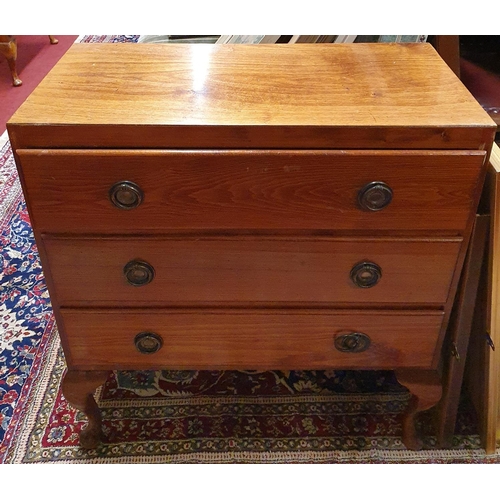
(426, 390)
(78, 388)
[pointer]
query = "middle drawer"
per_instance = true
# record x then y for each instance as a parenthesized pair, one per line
(248, 270)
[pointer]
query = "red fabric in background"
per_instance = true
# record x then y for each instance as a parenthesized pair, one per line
(35, 58)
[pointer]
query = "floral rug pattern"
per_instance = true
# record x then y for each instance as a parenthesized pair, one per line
(228, 417)
(25, 309)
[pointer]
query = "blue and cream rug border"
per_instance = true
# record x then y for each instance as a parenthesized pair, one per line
(40, 399)
(25, 309)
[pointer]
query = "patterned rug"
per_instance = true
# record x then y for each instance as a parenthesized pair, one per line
(226, 417)
(186, 416)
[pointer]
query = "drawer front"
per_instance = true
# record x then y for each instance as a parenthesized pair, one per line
(232, 339)
(157, 191)
(217, 271)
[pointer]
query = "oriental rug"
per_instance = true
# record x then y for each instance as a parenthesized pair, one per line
(227, 417)
(186, 416)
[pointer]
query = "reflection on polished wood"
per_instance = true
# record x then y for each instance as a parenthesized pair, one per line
(234, 104)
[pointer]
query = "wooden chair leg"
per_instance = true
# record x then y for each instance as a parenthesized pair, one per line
(8, 47)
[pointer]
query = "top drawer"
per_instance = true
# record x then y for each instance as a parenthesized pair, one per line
(72, 190)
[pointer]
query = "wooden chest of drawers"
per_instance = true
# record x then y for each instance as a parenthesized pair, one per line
(252, 207)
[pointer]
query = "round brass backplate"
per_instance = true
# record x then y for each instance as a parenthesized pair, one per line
(148, 342)
(352, 342)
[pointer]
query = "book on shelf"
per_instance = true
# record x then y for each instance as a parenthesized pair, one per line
(248, 39)
(178, 38)
(262, 39)
(345, 38)
(390, 38)
(312, 38)
(358, 38)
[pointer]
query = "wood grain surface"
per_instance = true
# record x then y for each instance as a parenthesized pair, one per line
(250, 160)
(254, 190)
(490, 411)
(246, 96)
(232, 339)
(255, 271)
(455, 352)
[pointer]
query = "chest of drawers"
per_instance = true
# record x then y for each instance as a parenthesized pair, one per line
(251, 207)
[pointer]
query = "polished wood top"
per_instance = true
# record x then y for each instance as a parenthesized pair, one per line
(264, 88)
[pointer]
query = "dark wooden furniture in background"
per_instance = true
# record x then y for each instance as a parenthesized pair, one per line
(480, 70)
(448, 47)
(8, 47)
(265, 207)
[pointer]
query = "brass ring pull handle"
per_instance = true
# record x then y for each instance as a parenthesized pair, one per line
(138, 273)
(148, 342)
(352, 342)
(374, 196)
(126, 195)
(366, 274)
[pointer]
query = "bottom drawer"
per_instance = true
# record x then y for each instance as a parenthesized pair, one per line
(246, 339)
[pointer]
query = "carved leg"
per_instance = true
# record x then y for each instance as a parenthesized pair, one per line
(8, 47)
(53, 40)
(426, 390)
(78, 388)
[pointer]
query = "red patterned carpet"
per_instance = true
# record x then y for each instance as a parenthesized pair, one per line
(186, 416)
(35, 58)
(226, 417)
